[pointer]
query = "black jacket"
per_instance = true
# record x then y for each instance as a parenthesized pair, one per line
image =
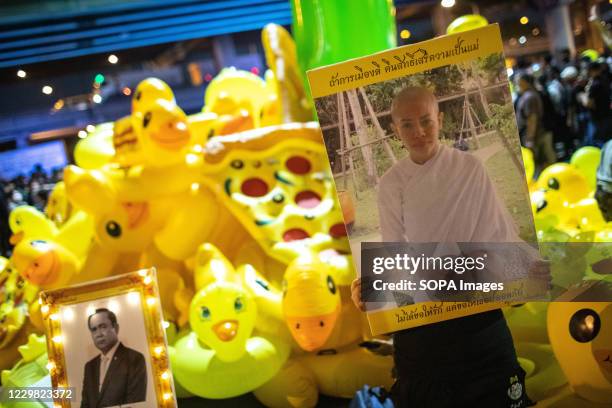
(125, 380)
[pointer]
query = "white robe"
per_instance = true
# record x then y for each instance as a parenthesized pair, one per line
(450, 198)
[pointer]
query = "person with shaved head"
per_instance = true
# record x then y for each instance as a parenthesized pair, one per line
(444, 195)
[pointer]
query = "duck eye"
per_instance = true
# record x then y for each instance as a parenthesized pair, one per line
(113, 229)
(541, 205)
(146, 119)
(584, 325)
(205, 313)
(331, 285)
(238, 305)
(262, 283)
(138, 95)
(553, 183)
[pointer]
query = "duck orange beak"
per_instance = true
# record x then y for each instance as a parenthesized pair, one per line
(226, 330)
(172, 136)
(312, 332)
(44, 269)
(16, 238)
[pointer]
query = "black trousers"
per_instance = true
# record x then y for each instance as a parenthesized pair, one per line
(468, 362)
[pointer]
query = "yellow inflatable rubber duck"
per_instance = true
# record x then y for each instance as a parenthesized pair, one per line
(27, 222)
(327, 326)
(45, 255)
(566, 179)
(222, 357)
(148, 91)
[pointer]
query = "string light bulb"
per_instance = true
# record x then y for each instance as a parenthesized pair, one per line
(21, 73)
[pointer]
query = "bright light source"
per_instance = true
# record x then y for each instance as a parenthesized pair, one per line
(126, 91)
(59, 104)
(255, 70)
(68, 314)
(133, 298)
(524, 20)
(509, 71)
(82, 134)
(96, 98)
(113, 59)
(90, 128)
(47, 90)
(536, 67)
(151, 301)
(208, 77)
(21, 73)
(99, 78)
(522, 39)
(405, 34)
(535, 32)
(447, 3)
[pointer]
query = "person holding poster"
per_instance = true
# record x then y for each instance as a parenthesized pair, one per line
(440, 194)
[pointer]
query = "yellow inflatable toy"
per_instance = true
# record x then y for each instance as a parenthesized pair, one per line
(466, 23)
(586, 160)
(148, 91)
(276, 181)
(58, 208)
(96, 149)
(581, 337)
(550, 210)
(222, 357)
(529, 164)
(585, 215)
(233, 91)
(159, 136)
(45, 255)
(564, 178)
(16, 299)
(132, 226)
(27, 222)
(311, 302)
(289, 102)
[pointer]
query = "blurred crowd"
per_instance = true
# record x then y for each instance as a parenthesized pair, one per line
(563, 104)
(31, 190)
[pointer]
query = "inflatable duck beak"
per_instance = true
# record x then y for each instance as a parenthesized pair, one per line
(226, 330)
(174, 136)
(43, 268)
(16, 238)
(312, 332)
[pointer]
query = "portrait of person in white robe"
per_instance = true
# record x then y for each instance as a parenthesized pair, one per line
(443, 195)
(436, 193)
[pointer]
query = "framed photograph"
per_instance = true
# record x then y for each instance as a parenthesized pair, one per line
(424, 148)
(106, 343)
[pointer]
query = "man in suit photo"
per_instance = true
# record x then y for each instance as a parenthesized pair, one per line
(118, 375)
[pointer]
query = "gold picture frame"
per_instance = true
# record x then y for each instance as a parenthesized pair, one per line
(139, 286)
